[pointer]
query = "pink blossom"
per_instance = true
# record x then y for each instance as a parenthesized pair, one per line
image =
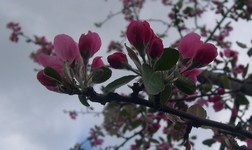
(202, 102)
(50, 83)
(238, 69)
(218, 106)
(188, 45)
(220, 91)
(65, 49)
(164, 146)
(234, 112)
(215, 99)
(230, 53)
(139, 34)
(16, 30)
(192, 74)
(51, 61)
(73, 114)
(133, 147)
(97, 62)
(89, 44)
(191, 47)
(156, 48)
(117, 60)
(249, 142)
(205, 54)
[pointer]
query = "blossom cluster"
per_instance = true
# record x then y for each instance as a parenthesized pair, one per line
(68, 61)
(16, 30)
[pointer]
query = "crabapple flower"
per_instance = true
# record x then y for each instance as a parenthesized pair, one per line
(218, 106)
(50, 83)
(188, 45)
(117, 60)
(156, 48)
(65, 49)
(192, 74)
(89, 44)
(249, 142)
(97, 62)
(139, 34)
(191, 47)
(205, 54)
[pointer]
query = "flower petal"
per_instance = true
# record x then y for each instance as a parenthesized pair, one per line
(90, 42)
(188, 45)
(66, 48)
(51, 61)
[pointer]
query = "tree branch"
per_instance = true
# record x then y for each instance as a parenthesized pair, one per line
(245, 87)
(224, 16)
(197, 122)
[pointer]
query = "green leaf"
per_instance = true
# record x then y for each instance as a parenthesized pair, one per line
(209, 142)
(185, 85)
(245, 71)
(152, 82)
(249, 52)
(167, 60)
(241, 45)
(101, 74)
(118, 83)
(165, 94)
(194, 137)
(52, 73)
(133, 57)
(136, 124)
(226, 82)
(241, 99)
(188, 10)
(180, 4)
(83, 100)
(197, 110)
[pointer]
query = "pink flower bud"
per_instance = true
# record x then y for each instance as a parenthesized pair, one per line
(139, 34)
(156, 48)
(218, 106)
(205, 54)
(220, 91)
(89, 44)
(97, 62)
(117, 60)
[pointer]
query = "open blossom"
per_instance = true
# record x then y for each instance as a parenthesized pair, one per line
(117, 60)
(89, 44)
(191, 47)
(156, 48)
(139, 34)
(65, 49)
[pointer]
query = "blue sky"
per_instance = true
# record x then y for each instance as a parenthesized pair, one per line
(32, 117)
